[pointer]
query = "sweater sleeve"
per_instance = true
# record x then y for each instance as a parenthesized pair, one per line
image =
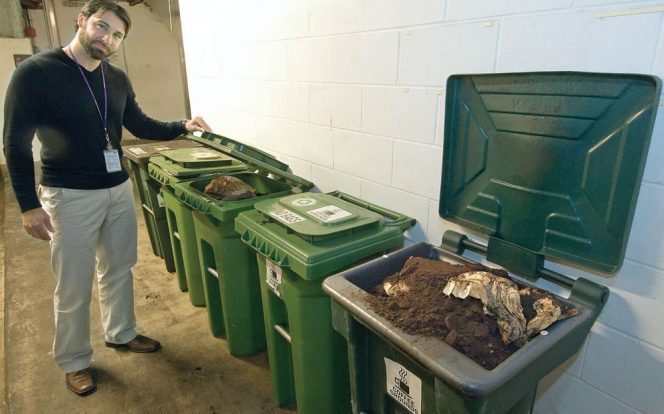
(23, 105)
(142, 126)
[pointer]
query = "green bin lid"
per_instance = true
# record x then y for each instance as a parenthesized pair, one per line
(549, 162)
(141, 153)
(193, 162)
(316, 216)
(315, 234)
(259, 160)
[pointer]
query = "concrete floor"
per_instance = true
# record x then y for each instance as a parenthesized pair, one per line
(193, 373)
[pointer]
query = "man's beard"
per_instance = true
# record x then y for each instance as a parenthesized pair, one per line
(93, 52)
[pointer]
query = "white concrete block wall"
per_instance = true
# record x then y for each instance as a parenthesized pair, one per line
(350, 93)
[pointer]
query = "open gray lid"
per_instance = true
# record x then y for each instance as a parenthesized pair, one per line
(550, 162)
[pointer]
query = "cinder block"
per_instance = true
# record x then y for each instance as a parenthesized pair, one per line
(268, 61)
(405, 113)
(336, 105)
(428, 56)
(304, 141)
(424, 179)
(645, 245)
(578, 40)
(240, 126)
(568, 394)
(466, 10)
(228, 93)
(368, 58)
(335, 16)
(625, 368)
(363, 155)
(311, 60)
(283, 99)
(401, 201)
(654, 173)
(440, 119)
(634, 306)
(301, 168)
(285, 19)
(397, 13)
(327, 179)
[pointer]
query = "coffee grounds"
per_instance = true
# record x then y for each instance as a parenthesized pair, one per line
(425, 310)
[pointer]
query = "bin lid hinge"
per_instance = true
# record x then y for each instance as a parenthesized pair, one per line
(511, 257)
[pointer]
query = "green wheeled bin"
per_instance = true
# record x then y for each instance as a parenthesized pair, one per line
(168, 169)
(148, 193)
(299, 240)
(228, 266)
(545, 165)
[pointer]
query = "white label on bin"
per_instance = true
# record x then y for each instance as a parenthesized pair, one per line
(160, 200)
(136, 151)
(273, 276)
(403, 386)
(287, 216)
(329, 213)
(202, 155)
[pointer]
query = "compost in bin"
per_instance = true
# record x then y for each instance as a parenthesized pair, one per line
(478, 310)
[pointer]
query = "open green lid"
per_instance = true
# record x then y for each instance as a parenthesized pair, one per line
(259, 160)
(548, 163)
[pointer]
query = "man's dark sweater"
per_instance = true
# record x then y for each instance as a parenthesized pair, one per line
(48, 95)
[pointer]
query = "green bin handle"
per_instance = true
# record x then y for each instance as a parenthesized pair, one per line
(397, 219)
(192, 200)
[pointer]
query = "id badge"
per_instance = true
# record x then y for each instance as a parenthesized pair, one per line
(112, 158)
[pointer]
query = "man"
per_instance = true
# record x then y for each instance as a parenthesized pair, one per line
(77, 103)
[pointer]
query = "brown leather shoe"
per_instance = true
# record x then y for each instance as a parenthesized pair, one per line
(81, 382)
(139, 344)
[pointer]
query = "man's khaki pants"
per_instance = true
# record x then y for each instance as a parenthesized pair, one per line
(94, 233)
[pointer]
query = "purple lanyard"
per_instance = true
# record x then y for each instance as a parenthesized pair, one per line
(104, 119)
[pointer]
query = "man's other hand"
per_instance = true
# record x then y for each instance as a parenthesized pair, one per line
(37, 223)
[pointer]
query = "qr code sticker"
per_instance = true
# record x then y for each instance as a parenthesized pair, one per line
(329, 213)
(273, 276)
(287, 216)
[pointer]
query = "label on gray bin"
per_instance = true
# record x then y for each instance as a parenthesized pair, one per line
(273, 276)
(403, 386)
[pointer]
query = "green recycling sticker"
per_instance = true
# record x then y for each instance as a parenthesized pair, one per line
(303, 202)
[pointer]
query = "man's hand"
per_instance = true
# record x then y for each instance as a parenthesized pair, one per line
(197, 124)
(37, 223)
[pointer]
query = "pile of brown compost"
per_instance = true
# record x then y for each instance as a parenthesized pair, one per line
(423, 309)
(229, 188)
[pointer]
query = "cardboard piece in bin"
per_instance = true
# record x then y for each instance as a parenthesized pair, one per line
(258, 160)
(547, 164)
